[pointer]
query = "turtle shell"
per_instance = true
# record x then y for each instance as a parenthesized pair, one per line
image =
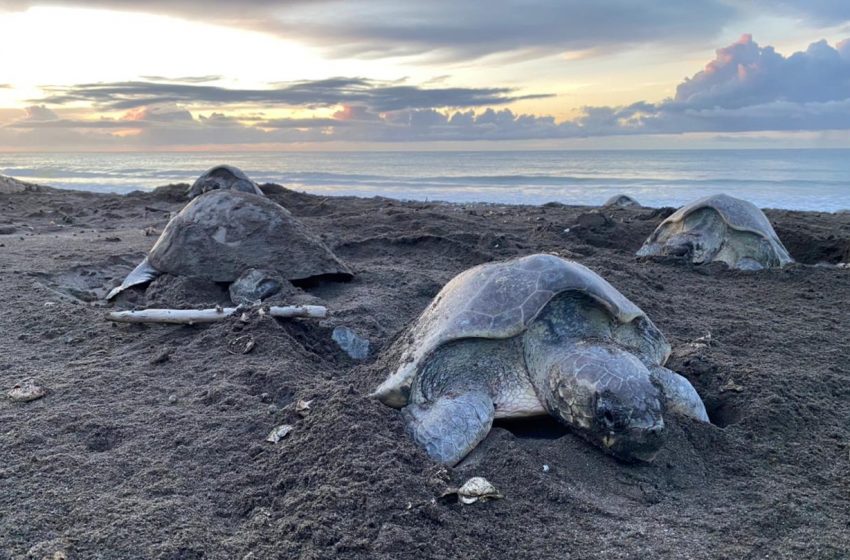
(738, 214)
(224, 177)
(222, 233)
(621, 201)
(496, 300)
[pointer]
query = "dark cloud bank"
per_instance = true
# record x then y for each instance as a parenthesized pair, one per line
(745, 88)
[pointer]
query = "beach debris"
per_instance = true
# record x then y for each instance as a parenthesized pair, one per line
(279, 433)
(545, 468)
(351, 343)
(302, 407)
(255, 285)
(26, 391)
(694, 347)
(150, 231)
(731, 387)
(476, 489)
(241, 344)
(192, 316)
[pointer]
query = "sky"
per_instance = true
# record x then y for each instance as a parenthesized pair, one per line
(193, 75)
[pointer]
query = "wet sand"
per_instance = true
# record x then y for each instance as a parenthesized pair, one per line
(151, 440)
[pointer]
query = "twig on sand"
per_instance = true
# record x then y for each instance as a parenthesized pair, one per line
(190, 316)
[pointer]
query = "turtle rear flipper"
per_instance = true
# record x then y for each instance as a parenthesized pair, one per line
(450, 426)
(142, 274)
(679, 395)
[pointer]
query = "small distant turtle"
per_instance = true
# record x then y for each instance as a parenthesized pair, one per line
(224, 177)
(532, 336)
(222, 234)
(718, 228)
(621, 201)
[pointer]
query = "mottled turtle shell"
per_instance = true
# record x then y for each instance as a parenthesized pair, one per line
(223, 177)
(222, 233)
(738, 214)
(497, 300)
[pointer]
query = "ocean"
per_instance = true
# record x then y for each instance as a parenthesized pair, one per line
(792, 179)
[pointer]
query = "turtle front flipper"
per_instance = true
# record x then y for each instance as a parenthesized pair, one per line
(679, 395)
(449, 427)
(142, 274)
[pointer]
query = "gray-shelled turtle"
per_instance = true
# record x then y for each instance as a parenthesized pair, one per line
(532, 336)
(718, 228)
(224, 233)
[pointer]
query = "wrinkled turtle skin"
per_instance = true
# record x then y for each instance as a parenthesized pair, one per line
(224, 177)
(532, 336)
(718, 228)
(222, 234)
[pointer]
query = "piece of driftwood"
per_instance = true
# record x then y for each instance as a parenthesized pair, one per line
(191, 316)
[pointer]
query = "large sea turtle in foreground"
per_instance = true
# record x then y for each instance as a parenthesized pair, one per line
(718, 228)
(222, 234)
(532, 336)
(224, 177)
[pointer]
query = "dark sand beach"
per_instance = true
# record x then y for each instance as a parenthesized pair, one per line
(151, 440)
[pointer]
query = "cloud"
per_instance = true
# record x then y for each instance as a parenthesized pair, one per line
(184, 79)
(824, 12)
(377, 95)
(746, 74)
(746, 88)
(445, 29)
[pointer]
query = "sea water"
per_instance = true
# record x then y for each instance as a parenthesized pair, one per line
(792, 179)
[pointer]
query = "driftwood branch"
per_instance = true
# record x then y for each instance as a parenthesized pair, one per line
(190, 316)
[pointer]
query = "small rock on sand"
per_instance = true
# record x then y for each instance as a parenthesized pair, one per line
(351, 343)
(27, 391)
(279, 433)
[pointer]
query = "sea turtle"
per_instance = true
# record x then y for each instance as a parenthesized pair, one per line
(532, 336)
(225, 177)
(718, 228)
(223, 233)
(621, 201)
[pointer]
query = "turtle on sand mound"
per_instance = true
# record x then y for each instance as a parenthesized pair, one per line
(718, 228)
(224, 233)
(224, 177)
(532, 336)
(621, 201)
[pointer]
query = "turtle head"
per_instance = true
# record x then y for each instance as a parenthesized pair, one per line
(605, 394)
(700, 238)
(628, 422)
